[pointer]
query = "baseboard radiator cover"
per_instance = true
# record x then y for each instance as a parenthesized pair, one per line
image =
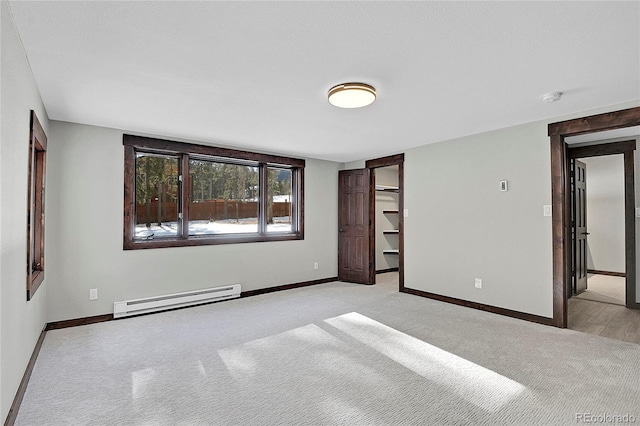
(176, 300)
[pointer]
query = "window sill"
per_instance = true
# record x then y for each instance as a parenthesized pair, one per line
(207, 241)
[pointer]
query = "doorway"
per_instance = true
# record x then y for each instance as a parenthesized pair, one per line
(387, 215)
(602, 204)
(561, 203)
(598, 202)
(391, 228)
(357, 221)
(578, 222)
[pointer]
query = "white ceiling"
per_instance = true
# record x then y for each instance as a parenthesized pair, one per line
(255, 74)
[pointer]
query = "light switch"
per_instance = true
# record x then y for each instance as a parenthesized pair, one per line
(406, 212)
(637, 211)
(547, 210)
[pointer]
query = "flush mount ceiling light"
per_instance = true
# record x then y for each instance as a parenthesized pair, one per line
(551, 97)
(352, 95)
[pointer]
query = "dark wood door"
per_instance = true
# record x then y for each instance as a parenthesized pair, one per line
(354, 263)
(580, 227)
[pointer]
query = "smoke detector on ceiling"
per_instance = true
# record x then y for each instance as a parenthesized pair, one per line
(551, 97)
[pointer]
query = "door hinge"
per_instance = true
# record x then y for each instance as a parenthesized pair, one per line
(180, 216)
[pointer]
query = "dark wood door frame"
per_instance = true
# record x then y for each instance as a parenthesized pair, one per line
(560, 198)
(627, 149)
(393, 160)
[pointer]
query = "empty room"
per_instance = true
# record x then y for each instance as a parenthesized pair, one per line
(319, 213)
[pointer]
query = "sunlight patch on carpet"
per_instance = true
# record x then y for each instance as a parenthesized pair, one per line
(244, 360)
(201, 369)
(141, 380)
(480, 386)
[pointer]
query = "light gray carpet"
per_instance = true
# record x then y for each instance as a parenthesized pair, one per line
(335, 353)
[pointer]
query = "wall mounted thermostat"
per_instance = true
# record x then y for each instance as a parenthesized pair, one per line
(503, 186)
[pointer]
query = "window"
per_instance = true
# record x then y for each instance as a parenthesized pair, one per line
(224, 198)
(179, 194)
(35, 206)
(156, 196)
(279, 213)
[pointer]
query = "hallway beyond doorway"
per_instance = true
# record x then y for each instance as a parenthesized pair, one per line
(604, 319)
(604, 288)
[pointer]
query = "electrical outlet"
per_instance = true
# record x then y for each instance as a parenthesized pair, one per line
(93, 294)
(315, 265)
(478, 283)
(546, 210)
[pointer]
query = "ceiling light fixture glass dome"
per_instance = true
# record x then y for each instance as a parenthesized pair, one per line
(352, 95)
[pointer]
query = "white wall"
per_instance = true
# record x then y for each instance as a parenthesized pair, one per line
(21, 321)
(359, 164)
(461, 227)
(605, 213)
(85, 214)
(385, 200)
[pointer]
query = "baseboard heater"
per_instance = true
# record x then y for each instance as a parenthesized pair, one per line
(177, 300)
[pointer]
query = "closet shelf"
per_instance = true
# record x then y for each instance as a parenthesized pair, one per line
(390, 211)
(387, 188)
(396, 251)
(391, 231)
